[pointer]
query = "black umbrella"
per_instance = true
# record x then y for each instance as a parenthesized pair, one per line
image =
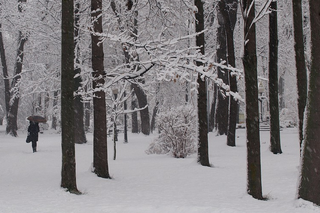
(37, 118)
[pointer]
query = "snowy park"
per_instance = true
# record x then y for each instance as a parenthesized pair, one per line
(142, 183)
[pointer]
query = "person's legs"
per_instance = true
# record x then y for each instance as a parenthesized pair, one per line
(34, 146)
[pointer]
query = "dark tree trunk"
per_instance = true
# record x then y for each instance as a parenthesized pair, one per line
(254, 187)
(310, 168)
(143, 103)
(212, 117)
(5, 74)
(68, 172)
(223, 100)
(100, 152)
(55, 105)
(203, 153)
(134, 115)
(300, 63)
(79, 132)
(229, 15)
(125, 131)
(273, 81)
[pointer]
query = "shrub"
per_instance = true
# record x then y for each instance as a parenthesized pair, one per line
(177, 132)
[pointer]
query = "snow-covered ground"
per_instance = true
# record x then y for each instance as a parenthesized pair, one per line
(141, 183)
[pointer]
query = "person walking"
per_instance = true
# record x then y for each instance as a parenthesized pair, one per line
(33, 134)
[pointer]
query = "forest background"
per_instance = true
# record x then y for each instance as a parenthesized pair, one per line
(156, 56)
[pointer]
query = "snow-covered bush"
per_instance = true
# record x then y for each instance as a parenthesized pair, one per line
(177, 132)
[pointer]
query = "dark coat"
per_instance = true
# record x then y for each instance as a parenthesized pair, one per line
(33, 130)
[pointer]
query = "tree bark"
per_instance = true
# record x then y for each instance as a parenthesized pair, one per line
(229, 15)
(5, 74)
(125, 130)
(223, 101)
(100, 152)
(212, 117)
(273, 81)
(143, 103)
(134, 114)
(301, 72)
(203, 156)
(68, 171)
(254, 187)
(55, 105)
(310, 168)
(79, 132)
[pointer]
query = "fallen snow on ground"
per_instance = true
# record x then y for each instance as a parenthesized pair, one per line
(141, 183)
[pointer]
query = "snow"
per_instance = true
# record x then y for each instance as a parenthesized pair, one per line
(141, 183)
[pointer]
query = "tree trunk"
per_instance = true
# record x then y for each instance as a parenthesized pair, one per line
(229, 15)
(310, 168)
(68, 172)
(203, 156)
(125, 130)
(55, 105)
(273, 81)
(212, 117)
(100, 152)
(134, 115)
(143, 103)
(254, 187)
(300, 64)
(223, 101)
(5, 74)
(79, 133)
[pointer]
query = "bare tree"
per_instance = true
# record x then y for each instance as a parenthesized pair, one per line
(68, 172)
(310, 168)
(228, 10)
(223, 101)
(300, 63)
(254, 187)
(203, 156)
(100, 151)
(79, 132)
(273, 81)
